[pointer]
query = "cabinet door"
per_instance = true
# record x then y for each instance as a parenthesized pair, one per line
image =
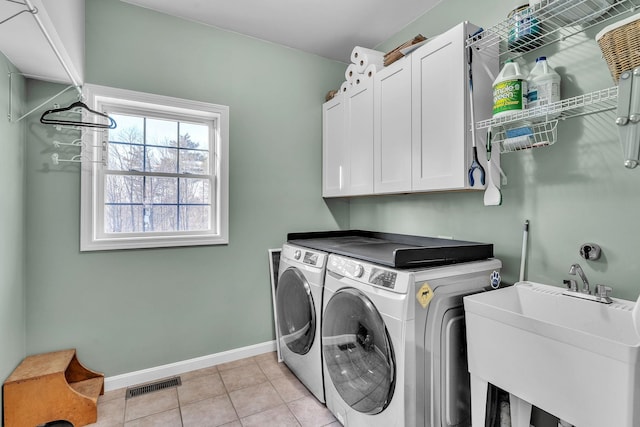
(392, 131)
(439, 113)
(359, 137)
(335, 154)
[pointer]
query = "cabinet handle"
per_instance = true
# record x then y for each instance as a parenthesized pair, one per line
(340, 176)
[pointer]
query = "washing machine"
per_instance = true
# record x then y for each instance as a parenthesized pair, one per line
(376, 322)
(299, 312)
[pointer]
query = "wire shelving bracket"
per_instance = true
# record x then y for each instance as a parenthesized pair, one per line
(539, 123)
(10, 113)
(581, 105)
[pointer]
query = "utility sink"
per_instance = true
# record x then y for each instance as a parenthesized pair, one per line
(576, 359)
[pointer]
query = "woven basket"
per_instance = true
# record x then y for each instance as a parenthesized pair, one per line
(620, 45)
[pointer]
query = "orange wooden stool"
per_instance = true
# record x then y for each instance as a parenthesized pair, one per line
(52, 387)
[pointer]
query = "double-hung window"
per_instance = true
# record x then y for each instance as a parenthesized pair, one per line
(160, 178)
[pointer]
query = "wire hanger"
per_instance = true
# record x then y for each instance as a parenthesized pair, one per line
(70, 122)
(79, 158)
(74, 143)
(78, 143)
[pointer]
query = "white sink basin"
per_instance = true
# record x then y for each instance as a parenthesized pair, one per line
(574, 358)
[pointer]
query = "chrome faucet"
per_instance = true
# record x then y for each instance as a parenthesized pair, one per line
(575, 268)
(601, 293)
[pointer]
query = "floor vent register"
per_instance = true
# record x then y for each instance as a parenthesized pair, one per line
(151, 387)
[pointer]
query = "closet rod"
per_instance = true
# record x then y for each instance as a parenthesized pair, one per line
(54, 48)
(31, 10)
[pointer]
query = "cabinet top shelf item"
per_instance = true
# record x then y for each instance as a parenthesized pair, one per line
(548, 22)
(590, 103)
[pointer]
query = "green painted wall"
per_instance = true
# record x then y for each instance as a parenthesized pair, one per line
(573, 192)
(12, 211)
(130, 310)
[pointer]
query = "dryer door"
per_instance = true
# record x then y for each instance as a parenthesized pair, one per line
(358, 352)
(296, 311)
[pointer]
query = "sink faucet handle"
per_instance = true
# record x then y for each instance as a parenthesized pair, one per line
(575, 269)
(603, 291)
(571, 285)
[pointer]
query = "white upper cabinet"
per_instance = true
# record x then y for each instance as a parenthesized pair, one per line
(347, 168)
(440, 124)
(392, 128)
(418, 136)
(442, 145)
(335, 153)
(359, 133)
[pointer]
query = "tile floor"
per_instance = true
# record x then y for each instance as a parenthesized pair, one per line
(257, 391)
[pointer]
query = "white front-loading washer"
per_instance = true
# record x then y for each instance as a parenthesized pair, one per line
(299, 313)
(374, 329)
(367, 325)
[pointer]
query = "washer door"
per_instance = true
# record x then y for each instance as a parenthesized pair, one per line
(358, 352)
(296, 311)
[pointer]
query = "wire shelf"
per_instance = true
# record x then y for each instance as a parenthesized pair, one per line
(548, 22)
(590, 103)
(529, 136)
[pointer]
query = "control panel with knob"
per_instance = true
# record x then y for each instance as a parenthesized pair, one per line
(359, 270)
(365, 273)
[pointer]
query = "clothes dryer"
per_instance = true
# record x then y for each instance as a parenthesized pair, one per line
(299, 314)
(372, 337)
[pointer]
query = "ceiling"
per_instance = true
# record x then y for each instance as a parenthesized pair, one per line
(329, 28)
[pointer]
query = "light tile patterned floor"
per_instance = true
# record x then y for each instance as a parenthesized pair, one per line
(257, 391)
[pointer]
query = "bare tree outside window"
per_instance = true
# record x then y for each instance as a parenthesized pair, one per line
(157, 178)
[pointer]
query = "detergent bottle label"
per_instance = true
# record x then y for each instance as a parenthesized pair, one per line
(509, 95)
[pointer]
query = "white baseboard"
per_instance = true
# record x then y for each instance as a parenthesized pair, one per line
(158, 372)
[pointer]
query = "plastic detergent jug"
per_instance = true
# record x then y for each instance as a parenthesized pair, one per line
(543, 85)
(509, 90)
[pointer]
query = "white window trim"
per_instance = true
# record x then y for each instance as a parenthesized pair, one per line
(90, 239)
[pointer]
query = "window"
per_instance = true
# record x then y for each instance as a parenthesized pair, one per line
(160, 178)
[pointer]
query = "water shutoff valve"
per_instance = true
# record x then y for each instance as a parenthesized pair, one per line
(590, 251)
